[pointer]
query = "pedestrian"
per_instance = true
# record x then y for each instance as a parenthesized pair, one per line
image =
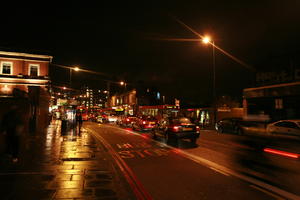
(79, 121)
(12, 128)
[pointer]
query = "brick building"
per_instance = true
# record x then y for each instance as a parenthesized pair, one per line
(24, 81)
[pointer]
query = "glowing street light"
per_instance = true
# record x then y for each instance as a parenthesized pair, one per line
(206, 40)
(76, 69)
(122, 83)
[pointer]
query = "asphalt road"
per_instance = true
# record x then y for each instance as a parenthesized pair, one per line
(186, 172)
(245, 155)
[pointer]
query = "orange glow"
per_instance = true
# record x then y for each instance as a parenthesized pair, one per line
(122, 83)
(206, 40)
(6, 89)
(175, 128)
(76, 69)
(282, 153)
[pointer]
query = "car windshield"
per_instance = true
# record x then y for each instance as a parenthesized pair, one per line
(181, 120)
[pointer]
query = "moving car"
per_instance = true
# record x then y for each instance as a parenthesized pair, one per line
(286, 127)
(100, 119)
(176, 128)
(230, 125)
(112, 118)
(240, 126)
(144, 123)
(126, 121)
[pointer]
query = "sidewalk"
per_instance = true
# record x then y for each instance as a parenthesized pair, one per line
(53, 166)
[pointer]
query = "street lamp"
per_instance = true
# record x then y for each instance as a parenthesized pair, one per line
(207, 40)
(123, 84)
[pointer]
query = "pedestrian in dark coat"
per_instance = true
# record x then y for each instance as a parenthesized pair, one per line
(79, 121)
(12, 127)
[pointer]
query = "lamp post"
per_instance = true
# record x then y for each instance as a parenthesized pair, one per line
(75, 69)
(207, 40)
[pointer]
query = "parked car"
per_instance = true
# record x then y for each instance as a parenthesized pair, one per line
(286, 127)
(176, 128)
(144, 123)
(126, 121)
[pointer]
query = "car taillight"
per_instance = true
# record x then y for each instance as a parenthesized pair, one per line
(175, 128)
(197, 129)
(127, 119)
(144, 122)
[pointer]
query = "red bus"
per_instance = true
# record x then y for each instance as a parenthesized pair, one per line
(159, 111)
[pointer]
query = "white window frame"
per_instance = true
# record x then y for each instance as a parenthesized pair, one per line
(34, 65)
(11, 67)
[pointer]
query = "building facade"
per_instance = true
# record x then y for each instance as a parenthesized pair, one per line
(24, 81)
(126, 102)
(276, 95)
(92, 98)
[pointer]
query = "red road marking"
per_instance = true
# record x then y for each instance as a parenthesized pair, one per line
(282, 153)
(138, 188)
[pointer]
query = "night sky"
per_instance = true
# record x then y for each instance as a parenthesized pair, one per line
(126, 41)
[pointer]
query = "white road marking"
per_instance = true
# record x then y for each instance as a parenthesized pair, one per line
(219, 171)
(267, 192)
(270, 188)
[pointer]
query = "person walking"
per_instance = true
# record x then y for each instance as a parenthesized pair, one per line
(79, 121)
(12, 127)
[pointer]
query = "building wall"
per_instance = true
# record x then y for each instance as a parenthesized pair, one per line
(22, 66)
(273, 102)
(30, 93)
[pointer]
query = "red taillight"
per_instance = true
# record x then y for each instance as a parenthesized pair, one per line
(175, 128)
(127, 119)
(144, 122)
(198, 129)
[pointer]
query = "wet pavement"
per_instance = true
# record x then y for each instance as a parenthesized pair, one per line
(56, 166)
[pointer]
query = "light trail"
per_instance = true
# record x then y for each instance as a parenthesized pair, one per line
(249, 67)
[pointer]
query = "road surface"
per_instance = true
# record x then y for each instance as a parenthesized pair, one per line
(201, 172)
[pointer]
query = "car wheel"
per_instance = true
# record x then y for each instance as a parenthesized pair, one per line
(167, 138)
(193, 140)
(220, 130)
(154, 136)
(240, 131)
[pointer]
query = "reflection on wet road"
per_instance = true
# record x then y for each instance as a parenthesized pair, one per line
(171, 173)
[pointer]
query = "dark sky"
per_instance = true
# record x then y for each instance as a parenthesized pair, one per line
(124, 40)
